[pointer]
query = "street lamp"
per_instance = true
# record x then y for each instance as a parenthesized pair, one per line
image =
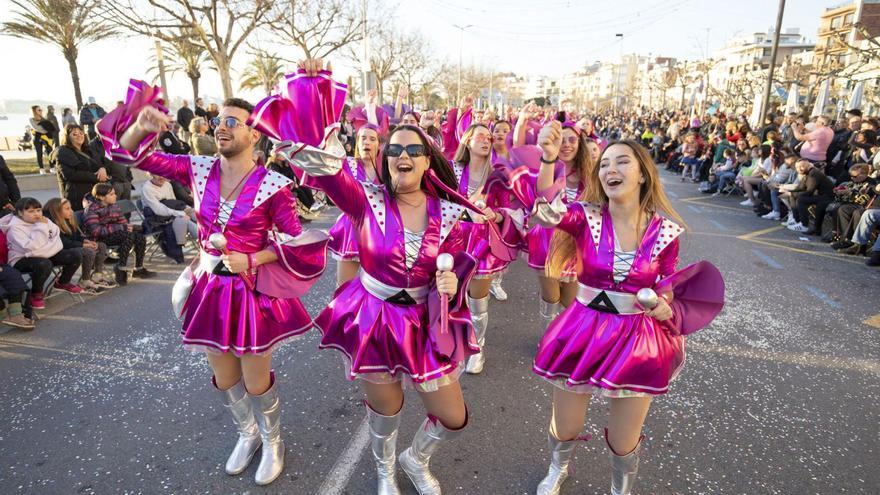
(619, 69)
(460, 47)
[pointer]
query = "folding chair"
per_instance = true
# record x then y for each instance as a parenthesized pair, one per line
(154, 244)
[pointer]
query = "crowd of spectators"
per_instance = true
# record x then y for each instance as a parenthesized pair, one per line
(818, 176)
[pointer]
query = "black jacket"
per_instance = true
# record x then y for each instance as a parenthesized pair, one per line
(9, 192)
(77, 174)
(818, 184)
(74, 240)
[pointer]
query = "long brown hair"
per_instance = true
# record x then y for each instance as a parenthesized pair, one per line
(652, 199)
(53, 211)
(582, 163)
(436, 162)
(68, 143)
(463, 153)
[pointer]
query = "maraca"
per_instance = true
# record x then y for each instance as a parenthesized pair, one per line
(444, 264)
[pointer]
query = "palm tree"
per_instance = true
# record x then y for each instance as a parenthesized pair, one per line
(183, 55)
(263, 71)
(66, 23)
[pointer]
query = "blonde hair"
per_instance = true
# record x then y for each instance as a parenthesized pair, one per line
(463, 153)
(53, 210)
(652, 199)
(195, 124)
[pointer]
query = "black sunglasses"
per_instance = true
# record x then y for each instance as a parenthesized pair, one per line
(229, 122)
(412, 150)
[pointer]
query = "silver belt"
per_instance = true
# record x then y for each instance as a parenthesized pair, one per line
(608, 301)
(208, 262)
(396, 295)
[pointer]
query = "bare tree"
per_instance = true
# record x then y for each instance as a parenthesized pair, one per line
(221, 27)
(67, 24)
(385, 55)
(418, 68)
(263, 71)
(183, 55)
(317, 27)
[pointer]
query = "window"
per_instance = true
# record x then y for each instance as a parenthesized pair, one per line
(835, 23)
(848, 20)
(766, 52)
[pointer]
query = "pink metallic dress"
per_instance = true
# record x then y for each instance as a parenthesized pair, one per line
(385, 321)
(221, 314)
(601, 343)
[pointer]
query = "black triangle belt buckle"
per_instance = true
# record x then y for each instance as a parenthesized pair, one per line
(603, 303)
(221, 269)
(402, 298)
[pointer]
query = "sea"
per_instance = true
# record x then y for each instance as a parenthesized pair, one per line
(14, 124)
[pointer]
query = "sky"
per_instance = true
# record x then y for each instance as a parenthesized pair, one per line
(549, 37)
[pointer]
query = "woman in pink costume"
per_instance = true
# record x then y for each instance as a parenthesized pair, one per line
(243, 297)
(386, 321)
(571, 168)
(607, 343)
(481, 181)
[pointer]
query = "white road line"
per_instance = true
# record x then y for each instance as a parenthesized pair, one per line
(337, 478)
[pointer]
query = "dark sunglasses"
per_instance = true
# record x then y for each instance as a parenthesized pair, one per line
(412, 150)
(229, 122)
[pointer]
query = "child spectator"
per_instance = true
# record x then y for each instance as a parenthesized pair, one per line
(92, 279)
(104, 221)
(12, 289)
(35, 247)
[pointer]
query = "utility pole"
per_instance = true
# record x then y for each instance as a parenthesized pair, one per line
(460, 49)
(765, 102)
(491, 78)
(365, 63)
(618, 100)
(160, 61)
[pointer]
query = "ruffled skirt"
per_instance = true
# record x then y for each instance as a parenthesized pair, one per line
(223, 315)
(343, 243)
(590, 351)
(539, 248)
(385, 342)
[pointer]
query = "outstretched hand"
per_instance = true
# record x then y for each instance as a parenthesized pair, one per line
(550, 140)
(152, 120)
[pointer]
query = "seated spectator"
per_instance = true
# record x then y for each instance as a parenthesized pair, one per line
(79, 169)
(852, 199)
(200, 142)
(725, 169)
(689, 160)
(768, 159)
(784, 175)
(169, 142)
(158, 197)
(9, 192)
(869, 221)
(105, 222)
(13, 292)
(92, 279)
(818, 190)
(35, 247)
(120, 175)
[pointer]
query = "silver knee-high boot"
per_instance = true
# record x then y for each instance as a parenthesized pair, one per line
(235, 399)
(383, 440)
(480, 317)
(624, 468)
(415, 459)
(560, 457)
(267, 410)
(549, 312)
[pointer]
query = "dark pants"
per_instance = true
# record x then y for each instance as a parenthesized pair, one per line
(39, 144)
(11, 284)
(41, 268)
(126, 240)
(804, 202)
(848, 216)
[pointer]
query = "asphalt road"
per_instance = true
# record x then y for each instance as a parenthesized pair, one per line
(779, 395)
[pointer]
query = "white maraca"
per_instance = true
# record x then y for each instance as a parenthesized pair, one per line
(647, 298)
(445, 262)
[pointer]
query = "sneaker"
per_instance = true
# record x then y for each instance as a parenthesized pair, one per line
(89, 287)
(773, 215)
(747, 202)
(716, 194)
(121, 276)
(37, 301)
(42, 172)
(68, 287)
(102, 282)
(798, 227)
(841, 245)
(874, 260)
(497, 291)
(143, 273)
(19, 321)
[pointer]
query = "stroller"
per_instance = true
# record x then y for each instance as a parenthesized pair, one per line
(26, 142)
